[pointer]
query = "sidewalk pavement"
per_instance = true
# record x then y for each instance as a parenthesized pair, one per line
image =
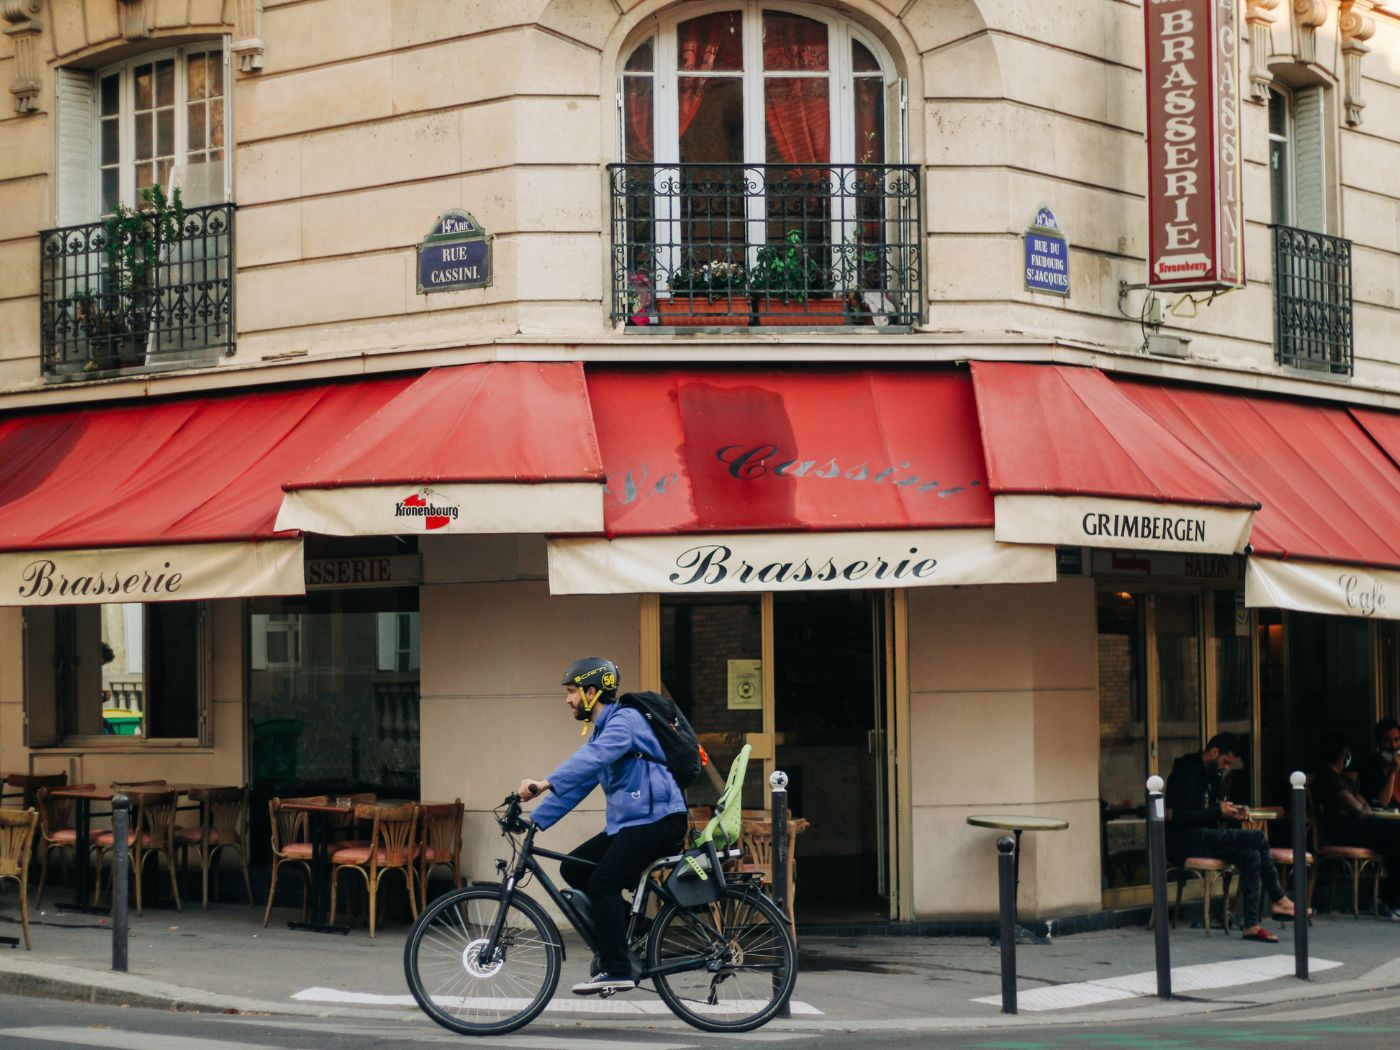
(223, 960)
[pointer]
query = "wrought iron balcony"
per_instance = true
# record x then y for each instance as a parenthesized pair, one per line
(734, 245)
(1312, 300)
(152, 300)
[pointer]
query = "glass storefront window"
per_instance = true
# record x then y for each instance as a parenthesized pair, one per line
(333, 693)
(1122, 737)
(122, 670)
(711, 647)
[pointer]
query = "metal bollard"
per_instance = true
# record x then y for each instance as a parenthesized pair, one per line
(121, 868)
(1300, 876)
(1157, 865)
(779, 781)
(1006, 879)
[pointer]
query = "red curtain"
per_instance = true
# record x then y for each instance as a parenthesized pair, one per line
(637, 112)
(798, 114)
(797, 110)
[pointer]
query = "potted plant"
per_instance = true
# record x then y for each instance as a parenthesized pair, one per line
(119, 320)
(791, 287)
(712, 293)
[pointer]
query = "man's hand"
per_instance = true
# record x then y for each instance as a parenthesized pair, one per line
(1233, 811)
(532, 789)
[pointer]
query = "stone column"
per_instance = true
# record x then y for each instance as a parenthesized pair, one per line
(1307, 16)
(135, 18)
(248, 42)
(1259, 17)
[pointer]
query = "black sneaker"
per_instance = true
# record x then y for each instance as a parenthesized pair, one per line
(603, 982)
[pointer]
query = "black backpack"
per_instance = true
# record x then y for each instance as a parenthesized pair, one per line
(679, 743)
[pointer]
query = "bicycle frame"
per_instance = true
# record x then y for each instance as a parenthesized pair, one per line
(646, 886)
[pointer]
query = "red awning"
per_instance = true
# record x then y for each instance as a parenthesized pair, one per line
(1072, 460)
(754, 480)
(492, 447)
(110, 503)
(1327, 535)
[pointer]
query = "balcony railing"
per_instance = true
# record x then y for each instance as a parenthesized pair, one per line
(734, 245)
(1312, 300)
(100, 315)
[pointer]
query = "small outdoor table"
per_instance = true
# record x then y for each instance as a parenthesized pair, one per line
(318, 816)
(1016, 825)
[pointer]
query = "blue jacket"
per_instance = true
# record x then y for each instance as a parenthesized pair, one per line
(637, 791)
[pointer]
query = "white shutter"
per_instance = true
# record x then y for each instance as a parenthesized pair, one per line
(388, 629)
(77, 171)
(1309, 166)
(897, 122)
(257, 641)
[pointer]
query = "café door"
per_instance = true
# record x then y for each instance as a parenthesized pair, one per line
(809, 681)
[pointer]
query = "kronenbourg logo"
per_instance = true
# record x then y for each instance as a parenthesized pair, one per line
(434, 514)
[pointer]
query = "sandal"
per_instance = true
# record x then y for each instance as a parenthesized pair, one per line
(1278, 914)
(1262, 935)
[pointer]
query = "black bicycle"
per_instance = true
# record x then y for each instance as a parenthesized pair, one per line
(485, 959)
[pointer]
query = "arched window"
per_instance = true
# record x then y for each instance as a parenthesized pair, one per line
(755, 84)
(761, 146)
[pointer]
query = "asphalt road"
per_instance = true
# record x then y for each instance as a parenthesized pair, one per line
(43, 1024)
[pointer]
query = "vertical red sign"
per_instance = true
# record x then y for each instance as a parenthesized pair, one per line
(1194, 202)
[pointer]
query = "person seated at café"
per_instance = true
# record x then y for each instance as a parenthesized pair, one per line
(1193, 798)
(1380, 773)
(1345, 817)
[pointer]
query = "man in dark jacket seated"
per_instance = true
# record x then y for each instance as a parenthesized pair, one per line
(1193, 797)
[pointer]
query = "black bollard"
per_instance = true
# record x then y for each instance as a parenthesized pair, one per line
(1300, 876)
(121, 813)
(1157, 864)
(779, 781)
(1006, 880)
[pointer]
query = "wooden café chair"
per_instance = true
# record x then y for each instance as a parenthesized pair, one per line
(391, 848)
(222, 827)
(152, 834)
(291, 844)
(439, 842)
(56, 831)
(16, 846)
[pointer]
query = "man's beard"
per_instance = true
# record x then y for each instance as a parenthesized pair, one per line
(581, 714)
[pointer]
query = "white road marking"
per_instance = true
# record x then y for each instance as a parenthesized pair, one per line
(112, 1039)
(431, 1033)
(1200, 978)
(616, 1006)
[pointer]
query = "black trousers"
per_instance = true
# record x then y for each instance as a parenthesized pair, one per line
(1248, 851)
(621, 859)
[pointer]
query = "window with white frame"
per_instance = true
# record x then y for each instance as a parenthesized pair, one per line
(763, 148)
(160, 117)
(1297, 161)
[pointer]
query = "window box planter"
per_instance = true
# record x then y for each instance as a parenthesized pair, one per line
(812, 311)
(701, 310)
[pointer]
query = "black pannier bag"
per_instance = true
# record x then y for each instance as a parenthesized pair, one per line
(697, 879)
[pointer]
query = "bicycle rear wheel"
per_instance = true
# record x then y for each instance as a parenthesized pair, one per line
(743, 955)
(459, 989)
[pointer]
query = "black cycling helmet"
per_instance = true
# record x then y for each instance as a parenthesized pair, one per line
(592, 672)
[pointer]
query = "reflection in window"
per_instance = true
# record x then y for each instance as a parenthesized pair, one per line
(333, 692)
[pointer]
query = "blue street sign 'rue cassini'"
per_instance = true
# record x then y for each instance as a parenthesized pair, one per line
(456, 254)
(1047, 255)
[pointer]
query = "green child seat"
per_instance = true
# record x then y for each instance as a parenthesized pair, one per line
(725, 826)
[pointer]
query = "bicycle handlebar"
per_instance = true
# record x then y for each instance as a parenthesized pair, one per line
(510, 820)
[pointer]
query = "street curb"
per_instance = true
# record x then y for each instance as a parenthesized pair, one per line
(25, 977)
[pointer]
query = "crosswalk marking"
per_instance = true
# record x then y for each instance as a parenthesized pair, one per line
(112, 1039)
(615, 1006)
(1199, 978)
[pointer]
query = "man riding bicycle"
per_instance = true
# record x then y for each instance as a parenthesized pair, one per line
(645, 817)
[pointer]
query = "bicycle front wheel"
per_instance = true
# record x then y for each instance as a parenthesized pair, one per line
(735, 961)
(462, 989)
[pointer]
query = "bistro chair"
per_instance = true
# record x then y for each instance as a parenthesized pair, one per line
(56, 831)
(16, 845)
(391, 849)
(758, 850)
(1353, 861)
(152, 834)
(291, 844)
(439, 842)
(344, 832)
(222, 827)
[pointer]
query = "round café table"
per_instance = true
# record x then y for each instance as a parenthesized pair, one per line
(1017, 823)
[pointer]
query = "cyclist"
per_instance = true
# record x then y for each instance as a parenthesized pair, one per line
(646, 810)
